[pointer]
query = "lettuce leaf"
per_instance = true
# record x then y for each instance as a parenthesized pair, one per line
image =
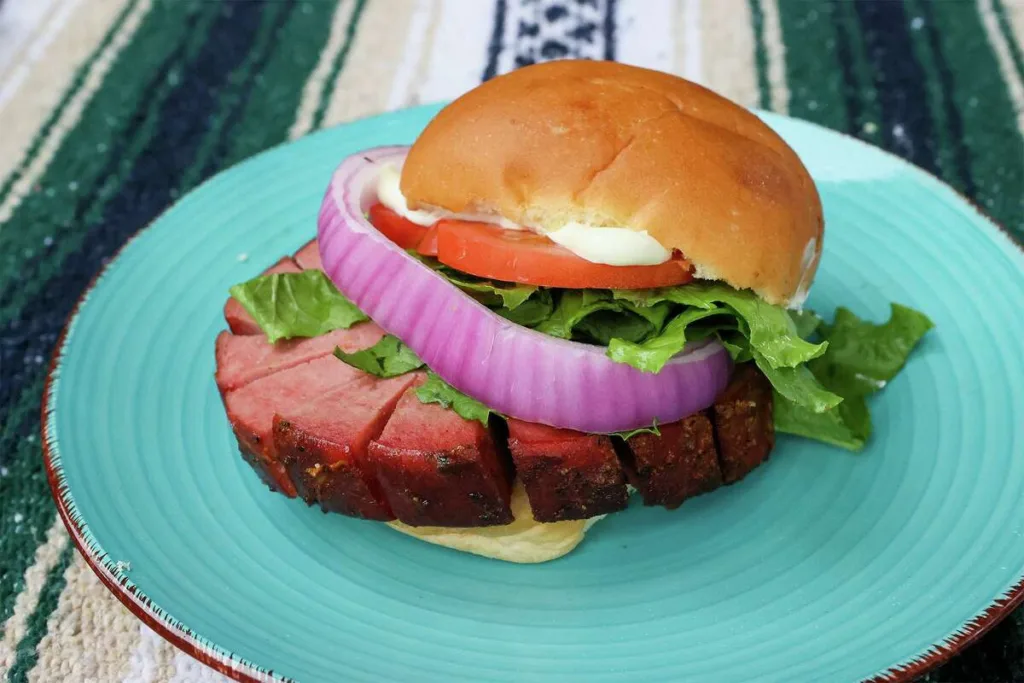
(748, 327)
(389, 357)
(770, 329)
(841, 427)
(652, 354)
(596, 316)
(506, 295)
(436, 390)
(646, 328)
(626, 436)
(861, 358)
(798, 385)
(531, 312)
(806, 321)
(287, 305)
(822, 373)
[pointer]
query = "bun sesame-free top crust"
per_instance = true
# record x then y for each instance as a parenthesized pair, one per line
(608, 144)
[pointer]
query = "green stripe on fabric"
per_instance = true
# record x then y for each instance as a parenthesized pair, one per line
(338, 64)
(298, 41)
(27, 511)
(946, 145)
(1011, 39)
(989, 121)
(77, 81)
(47, 213)
(813, 71)
(75, 170)
(231, 99)
(764, 87)
(76, 237)
(275, 97)
(863, 121)
(27, 654)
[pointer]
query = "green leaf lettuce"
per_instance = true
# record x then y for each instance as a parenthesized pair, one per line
(436, 390)
(861, 358)
(287, 305)
(389, 357)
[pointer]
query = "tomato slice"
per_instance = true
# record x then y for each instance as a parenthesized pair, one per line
(401, 231)
(488, 251)
(428, 245)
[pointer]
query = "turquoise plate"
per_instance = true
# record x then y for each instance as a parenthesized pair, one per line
(823, 565)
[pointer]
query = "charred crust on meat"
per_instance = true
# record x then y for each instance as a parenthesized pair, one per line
(743, 421)
(462, 475)
(706, 450)
(321, 478)
(458, 486)
(571, 476)
(678, 464)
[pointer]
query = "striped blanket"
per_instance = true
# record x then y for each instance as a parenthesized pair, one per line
(112, 109)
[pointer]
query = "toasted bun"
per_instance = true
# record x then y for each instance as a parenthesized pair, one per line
(525, 540)
(615, 145)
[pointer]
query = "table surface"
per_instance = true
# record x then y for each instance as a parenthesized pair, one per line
(112, 109)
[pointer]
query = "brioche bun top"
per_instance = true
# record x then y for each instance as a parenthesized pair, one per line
(608, 144)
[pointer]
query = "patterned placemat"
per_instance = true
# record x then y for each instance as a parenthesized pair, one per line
(112, 109)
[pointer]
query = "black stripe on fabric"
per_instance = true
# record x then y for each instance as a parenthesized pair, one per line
(954, 123)
(760, 55)
(148, 189)
(555, 12)
(907, 128)
(234, 117)
(558, 29)
(609, 30)
(497, 40)
(26, 341)
(851, 86)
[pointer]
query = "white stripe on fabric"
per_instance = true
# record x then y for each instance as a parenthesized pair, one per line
(416, 41)
(458, 56)
(363, 85)
(727, 34)
(693, 59)
(645, 34)
(20, 22)
(317, 87)
(152, 658)
(997, 39)
(1015, 15)
(38, 48)
(188, 670)
(776, 52)
(87, 633)
(15, 627)
(47, 92)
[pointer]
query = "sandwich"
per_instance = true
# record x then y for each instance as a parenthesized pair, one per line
(583, 282)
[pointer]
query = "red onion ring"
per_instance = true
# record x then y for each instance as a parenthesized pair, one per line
(511, 369)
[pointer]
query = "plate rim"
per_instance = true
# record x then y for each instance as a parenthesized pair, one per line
(241, 669)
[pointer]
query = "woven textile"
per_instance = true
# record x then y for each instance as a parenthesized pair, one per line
(112, 109)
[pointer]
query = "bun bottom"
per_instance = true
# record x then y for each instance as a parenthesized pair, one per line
(524, 541)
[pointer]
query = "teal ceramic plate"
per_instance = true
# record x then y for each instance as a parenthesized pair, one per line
(823, 565)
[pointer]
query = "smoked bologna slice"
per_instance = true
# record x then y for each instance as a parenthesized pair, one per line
(235, 314)
(567, 474)
(439, 469)
(323, 442)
